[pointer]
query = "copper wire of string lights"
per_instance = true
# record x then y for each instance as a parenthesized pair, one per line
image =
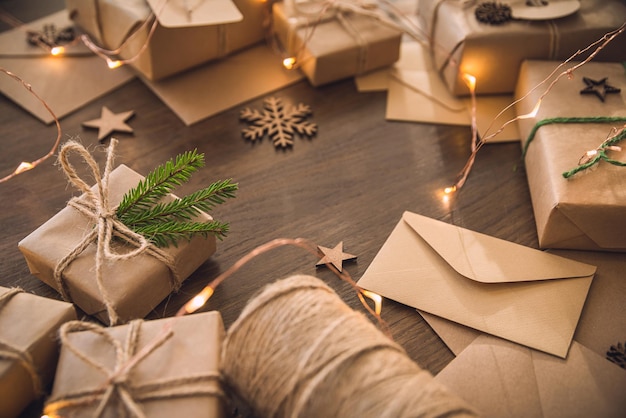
(477, 144)
(25, 165)
(203, 296)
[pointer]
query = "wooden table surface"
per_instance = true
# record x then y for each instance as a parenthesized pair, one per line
(350, 183)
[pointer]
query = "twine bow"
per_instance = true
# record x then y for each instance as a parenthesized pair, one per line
(118, 383)
(12, 353)
(594, 156)
(96, 207)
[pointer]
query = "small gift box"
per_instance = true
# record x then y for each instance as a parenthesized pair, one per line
(59, 254)
(185, 36)
(338, 46)
(28, 346)
(586, 210)
(163, 368)
(493, 54)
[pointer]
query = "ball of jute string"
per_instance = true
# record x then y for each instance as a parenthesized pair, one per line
(297, 350)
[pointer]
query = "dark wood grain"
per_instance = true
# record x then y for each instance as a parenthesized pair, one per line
(350, 183)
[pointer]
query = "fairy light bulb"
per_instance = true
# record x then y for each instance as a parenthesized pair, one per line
(199, 300)
(289, 63)
(470, 81)
(376, 298)
(57, 50)
(24, 166)
(113, 63)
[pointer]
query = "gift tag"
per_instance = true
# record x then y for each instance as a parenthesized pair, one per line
(544, 9)
(181, 13)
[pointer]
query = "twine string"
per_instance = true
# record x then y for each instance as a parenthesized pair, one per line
(337, 363)
(600, 153)
(12, 353)
(96, 207)
(117, 382)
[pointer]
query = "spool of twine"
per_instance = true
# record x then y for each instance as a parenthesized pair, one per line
(297, 350)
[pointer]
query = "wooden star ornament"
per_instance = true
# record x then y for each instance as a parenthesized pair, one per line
(110, 122)
(334, 256)
(600, 88)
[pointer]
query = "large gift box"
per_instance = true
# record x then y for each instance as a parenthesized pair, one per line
(172, 48)
(584, 211)
(493, 54)
(28, 346)
(163, 368)
(334, 47)
(133, 286)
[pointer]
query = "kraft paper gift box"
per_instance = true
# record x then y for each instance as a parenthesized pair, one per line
(163, 368)
(331, 48)
(181, 40)
(28, 346)
(134, 286)
(493, 54)
(585, 211)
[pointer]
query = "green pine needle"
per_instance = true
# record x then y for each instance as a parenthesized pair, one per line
(185, 208)
(160, 182)
(170, 233)
(164, 223)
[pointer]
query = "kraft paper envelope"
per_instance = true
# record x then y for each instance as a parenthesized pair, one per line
(602, 323)
(495, 286)
(502, 379)
(65, 83)
(212, 88)
(487, 108)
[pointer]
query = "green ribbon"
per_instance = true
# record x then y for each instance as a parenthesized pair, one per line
(601, 150)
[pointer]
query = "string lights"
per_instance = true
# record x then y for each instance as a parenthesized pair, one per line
(477, 144)
(201, 298)
(26, 165)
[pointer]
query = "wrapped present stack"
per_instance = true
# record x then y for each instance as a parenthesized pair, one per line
(28, 346)
(335, 45)
(182, 39)
(492, 51)
(586, 210)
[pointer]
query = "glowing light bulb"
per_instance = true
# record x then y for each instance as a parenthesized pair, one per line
(470, 80)
(57, 50)
(199, 300)
(289, 63)
(24, 166)
(376, 298)
(532, 113)
(449, 190)
(113, 63)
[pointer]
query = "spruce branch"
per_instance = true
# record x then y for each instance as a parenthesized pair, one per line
(169, 233)
(185, 208)
(160, 182)
(144, 210)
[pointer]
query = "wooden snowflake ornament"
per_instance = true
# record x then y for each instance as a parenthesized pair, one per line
(279, 124)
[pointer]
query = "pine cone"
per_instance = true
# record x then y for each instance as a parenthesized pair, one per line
(493, 13)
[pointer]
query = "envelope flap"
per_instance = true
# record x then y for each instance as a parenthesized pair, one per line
(487, 259)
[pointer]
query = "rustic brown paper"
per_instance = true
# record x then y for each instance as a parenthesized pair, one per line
(193, 350)
(65, 83)
(332, 53)
(586, 211)
(476, 280)
(135, 286)
(493, 53)
(503, 379)
(171, 49)
(216, 86)
(29, 323)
